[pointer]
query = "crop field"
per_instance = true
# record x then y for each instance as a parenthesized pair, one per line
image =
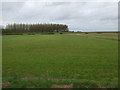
(110, 36)
(59, 61)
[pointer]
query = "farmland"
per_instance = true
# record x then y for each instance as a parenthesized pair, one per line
(104, 35)
(59, 61)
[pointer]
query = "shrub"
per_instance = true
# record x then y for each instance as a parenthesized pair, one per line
(50, 33)
(31, 34)
(12, 34)
(61, 33)
(99, 32)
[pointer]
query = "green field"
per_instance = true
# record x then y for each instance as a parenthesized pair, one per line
(59, 61)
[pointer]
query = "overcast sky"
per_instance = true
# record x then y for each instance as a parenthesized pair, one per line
(83, 16)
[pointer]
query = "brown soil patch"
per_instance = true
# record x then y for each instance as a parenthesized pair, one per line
(5, 85)
(27, 78)
(62, 86)
(53, 79)
(62, 79)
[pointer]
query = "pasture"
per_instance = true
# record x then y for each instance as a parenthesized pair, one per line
(59, 61)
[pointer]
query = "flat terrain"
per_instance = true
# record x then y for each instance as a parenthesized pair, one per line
(59, 61)
(110, 36)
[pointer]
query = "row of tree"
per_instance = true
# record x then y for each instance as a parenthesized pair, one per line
(33, 28)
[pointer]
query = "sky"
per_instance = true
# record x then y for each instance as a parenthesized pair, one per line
(79, 16)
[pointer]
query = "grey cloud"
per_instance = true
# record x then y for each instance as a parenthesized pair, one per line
(78, 15)
(109, 19)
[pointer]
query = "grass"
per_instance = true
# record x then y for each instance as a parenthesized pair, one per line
(46, 61)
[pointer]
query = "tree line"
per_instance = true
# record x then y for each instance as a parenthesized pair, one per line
(34, 28)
